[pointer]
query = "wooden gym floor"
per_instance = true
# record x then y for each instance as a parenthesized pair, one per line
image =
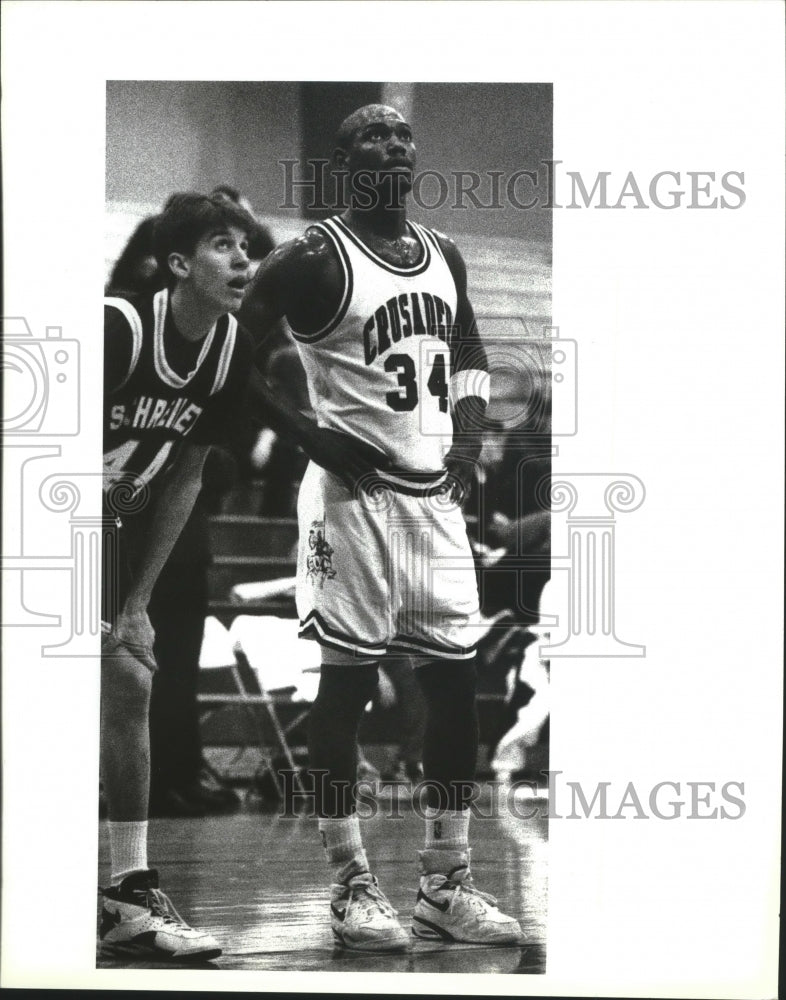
(259, 883)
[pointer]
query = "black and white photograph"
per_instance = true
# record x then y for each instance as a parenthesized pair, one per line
(392, 535)
(363, 487)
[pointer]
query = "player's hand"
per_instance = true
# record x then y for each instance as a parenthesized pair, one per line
(461, 474)
(501, 529)
(345, 456)
(134, 633)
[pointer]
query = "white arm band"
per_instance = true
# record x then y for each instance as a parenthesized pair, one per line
(471, 382)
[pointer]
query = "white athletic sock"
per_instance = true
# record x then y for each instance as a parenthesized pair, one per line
(128, 848)
(447, 842)
(447, 830)
(343, 846)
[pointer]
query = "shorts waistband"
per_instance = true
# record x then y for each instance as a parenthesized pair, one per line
(413, 484)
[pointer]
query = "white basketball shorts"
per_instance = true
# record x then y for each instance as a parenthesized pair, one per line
(388, 571)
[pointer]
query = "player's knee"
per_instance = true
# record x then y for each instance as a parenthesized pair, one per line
(350, 684)
(126, 684)
(448, 685)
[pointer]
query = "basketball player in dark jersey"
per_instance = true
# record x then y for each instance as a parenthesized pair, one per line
(379, 311)
(178, 376)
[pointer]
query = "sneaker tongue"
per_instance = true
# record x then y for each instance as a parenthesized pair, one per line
(442, 861)
(140, 881)
(365, 878)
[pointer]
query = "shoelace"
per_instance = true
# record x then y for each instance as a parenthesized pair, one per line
(376, 894)
(470, 890)
(161, 906)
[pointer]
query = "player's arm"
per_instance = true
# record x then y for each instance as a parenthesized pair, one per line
(346, 457)
(181, 486)
(469, 381)
(301, 282)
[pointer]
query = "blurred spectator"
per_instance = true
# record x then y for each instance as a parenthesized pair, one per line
(280, 462)
(527, 713)
(511, 534)
(512, 543)
(135, 269)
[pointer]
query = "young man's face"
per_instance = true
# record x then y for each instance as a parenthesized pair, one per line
(384, 146)
(218, 269)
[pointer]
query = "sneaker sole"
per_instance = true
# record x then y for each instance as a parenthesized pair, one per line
(130, 950)
(428, 931)
(378, 945)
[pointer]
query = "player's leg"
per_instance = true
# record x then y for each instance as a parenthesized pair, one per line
(439, 606)
(449, 759)
(343, 602)
(411, 718)
(450, 745)
(345, 688)
(137, 919)
(449, 907)
(361, 916)
(126, 684)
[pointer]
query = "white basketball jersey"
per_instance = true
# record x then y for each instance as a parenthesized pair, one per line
(380, 369)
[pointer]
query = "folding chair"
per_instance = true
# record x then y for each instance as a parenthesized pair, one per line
(259, 705)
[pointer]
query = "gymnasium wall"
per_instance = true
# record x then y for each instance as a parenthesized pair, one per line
(483, 127)
(166, 136)
(163, 137)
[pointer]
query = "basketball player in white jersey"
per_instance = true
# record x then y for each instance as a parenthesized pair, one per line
(379, 310)
(177, 374)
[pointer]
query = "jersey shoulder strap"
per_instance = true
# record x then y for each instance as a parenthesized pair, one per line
(132, 322)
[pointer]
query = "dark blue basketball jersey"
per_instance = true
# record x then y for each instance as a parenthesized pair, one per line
(160, 389)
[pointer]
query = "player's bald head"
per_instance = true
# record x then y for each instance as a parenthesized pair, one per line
(364, 116)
